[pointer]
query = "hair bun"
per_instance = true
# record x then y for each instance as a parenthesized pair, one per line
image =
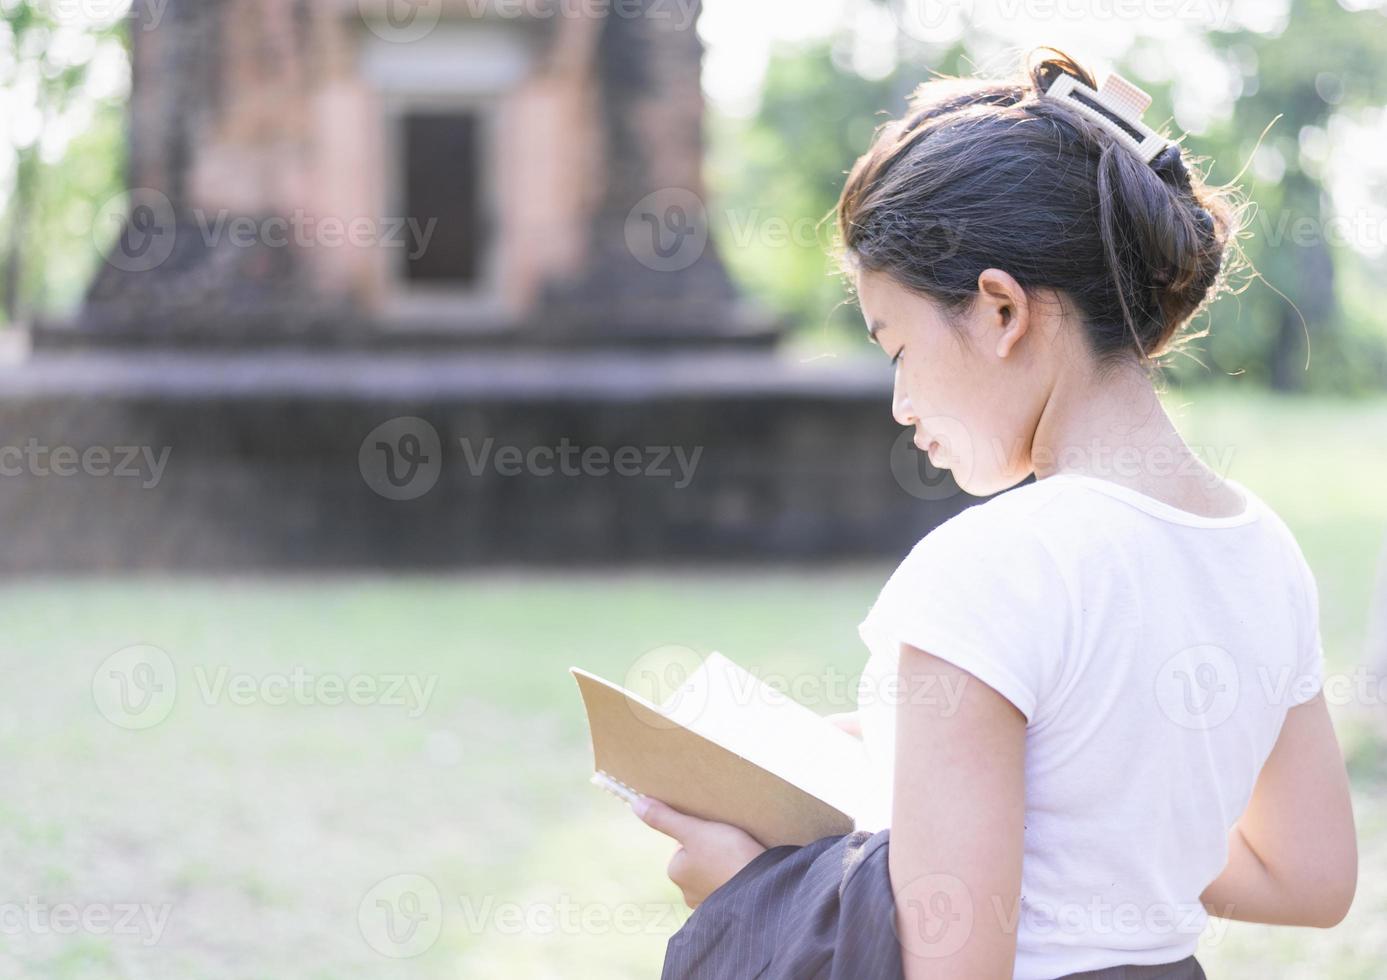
(1205, 218)
(1170, 165)
(1143, 242)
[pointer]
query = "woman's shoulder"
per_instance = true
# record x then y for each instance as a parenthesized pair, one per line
(1075, 520)
(1081, 501)
(1007, 534)
(1026, 510)
(1056, 521)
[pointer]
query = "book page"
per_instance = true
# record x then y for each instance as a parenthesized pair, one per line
(730, 706)
(638, 748)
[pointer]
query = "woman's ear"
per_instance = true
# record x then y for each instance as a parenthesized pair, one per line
(1005, 311)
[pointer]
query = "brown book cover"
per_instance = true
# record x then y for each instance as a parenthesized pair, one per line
(727, 747)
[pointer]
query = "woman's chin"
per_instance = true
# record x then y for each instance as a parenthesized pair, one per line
(973, 481)
(986, 484)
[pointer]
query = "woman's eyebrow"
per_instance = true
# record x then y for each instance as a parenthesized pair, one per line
(874, 328)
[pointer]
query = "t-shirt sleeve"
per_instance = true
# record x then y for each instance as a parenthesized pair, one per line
(983, 593)
(1310, 669)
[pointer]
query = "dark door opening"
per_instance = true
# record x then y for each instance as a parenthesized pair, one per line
(443, 176)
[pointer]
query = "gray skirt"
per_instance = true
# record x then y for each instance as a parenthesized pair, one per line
(824, 911)
(1186, 969)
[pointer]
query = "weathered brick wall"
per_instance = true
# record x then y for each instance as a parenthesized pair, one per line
(273, 110)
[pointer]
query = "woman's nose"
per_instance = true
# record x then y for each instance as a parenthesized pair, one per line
(901, 407)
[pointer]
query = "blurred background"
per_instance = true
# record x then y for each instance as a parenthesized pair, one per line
(367, 363)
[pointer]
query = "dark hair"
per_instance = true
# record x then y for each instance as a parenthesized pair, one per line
(982, 174)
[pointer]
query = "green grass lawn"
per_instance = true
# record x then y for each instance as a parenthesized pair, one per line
(262, 831)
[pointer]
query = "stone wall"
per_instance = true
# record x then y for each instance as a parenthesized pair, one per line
(114, 462)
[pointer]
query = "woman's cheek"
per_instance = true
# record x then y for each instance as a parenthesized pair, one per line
(929, 392)
(965, 431)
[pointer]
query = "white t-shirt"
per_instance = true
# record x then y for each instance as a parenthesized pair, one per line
(1154, 654)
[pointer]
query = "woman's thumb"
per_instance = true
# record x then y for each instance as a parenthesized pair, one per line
(663, 817)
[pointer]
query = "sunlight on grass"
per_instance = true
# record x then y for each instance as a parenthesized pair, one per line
(263, 826)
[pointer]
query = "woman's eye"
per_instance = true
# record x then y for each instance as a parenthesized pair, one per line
(895, 360)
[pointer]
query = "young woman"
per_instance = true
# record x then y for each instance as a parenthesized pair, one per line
(1093, 701)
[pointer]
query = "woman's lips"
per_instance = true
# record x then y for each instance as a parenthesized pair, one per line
(926, 445)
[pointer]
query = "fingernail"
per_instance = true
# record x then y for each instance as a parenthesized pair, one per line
(641, 805)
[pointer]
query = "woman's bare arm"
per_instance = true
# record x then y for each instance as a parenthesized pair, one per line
(957, 824)
(1293, 855)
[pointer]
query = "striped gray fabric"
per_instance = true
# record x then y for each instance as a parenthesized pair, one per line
(824, 911)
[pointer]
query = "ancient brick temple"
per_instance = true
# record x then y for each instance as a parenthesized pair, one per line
(391, 170)
(410, 283)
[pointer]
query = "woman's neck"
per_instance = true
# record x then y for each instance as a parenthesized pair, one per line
(1113, 426)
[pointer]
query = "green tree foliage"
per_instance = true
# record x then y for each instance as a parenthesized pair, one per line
(816, 115)
(1325, 60)
(64, 153)
(781, 171)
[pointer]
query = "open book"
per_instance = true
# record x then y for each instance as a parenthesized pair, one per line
(725, 746)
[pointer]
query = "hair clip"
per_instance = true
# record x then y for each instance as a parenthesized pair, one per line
(1117, 106)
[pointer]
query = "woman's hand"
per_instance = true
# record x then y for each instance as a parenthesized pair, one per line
(709, 854)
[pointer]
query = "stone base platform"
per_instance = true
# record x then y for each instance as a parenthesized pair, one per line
(155, 460)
